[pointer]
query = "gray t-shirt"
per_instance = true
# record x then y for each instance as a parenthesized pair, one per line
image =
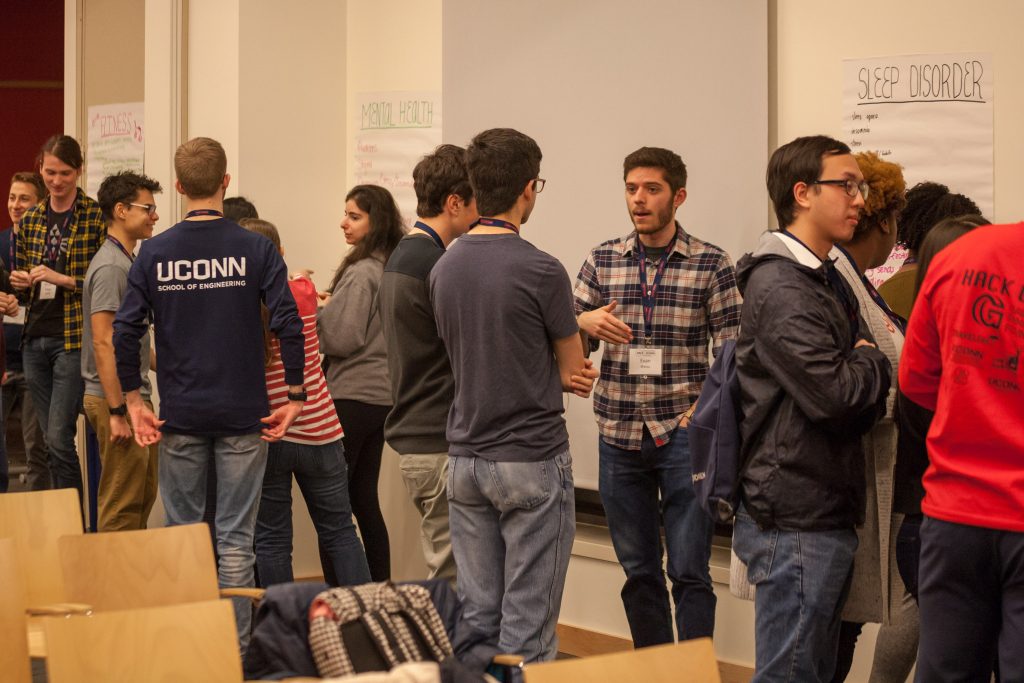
(500, 303)
(105, 284)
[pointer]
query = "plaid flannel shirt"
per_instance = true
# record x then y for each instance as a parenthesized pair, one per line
(696, 300)
(88, 230)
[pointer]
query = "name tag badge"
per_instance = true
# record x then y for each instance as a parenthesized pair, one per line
(47, 290)
(645, 361)
(18, 318)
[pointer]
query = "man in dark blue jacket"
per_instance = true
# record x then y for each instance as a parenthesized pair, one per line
(812, 383)
(201, 283)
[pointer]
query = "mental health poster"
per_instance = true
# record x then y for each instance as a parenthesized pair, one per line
(393, 131)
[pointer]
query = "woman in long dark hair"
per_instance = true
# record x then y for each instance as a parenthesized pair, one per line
(914, 420)
(356, 361)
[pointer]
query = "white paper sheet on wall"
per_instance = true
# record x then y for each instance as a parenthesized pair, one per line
(115, 142)
(392, 133)
(930, 113)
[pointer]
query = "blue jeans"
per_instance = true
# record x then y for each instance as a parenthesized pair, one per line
(631, 483)
(240, 461)
(802, 580)
(54, 377)
(512, 527)
(321, 474)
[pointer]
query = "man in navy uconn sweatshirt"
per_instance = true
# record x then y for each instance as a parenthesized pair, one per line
(201, 284)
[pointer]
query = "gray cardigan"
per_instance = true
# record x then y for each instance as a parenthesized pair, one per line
(351, 337)
(876, 593)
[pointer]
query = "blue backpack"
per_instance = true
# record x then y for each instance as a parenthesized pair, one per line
(714, 434)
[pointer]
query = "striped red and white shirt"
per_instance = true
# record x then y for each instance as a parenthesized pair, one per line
(318, 423)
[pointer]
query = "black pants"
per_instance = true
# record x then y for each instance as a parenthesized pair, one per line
(364, 442)
(972, 603)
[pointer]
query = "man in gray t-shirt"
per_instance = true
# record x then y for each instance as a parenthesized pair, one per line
(504, 310)
(128, 479)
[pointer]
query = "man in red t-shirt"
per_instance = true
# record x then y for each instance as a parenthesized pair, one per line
(962, 360)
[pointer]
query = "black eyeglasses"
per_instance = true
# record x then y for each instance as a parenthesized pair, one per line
(149, 208)
(851, 187)
(538, 185)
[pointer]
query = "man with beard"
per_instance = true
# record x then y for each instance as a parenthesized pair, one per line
(655, 297)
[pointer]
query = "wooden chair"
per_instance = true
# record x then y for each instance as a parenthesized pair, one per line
(182, 643)
(692, 661)
(118, 570)
(35, 521)
(14, 660)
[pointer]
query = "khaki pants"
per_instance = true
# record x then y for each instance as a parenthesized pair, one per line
(128, 481)
(425, 478)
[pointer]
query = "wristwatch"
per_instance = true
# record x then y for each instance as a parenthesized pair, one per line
(297, 396)
(120, 411)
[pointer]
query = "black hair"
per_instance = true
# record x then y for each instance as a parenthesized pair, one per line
(386, 229)
(670, 163)
(799, 161)
(239, 208)
(501, 161)
(927, 204)
(439, 175)
(123, 188)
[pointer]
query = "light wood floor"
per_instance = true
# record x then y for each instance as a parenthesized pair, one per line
(579, 642)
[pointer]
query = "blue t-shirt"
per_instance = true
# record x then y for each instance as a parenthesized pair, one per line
(500, 303)
(202, 283)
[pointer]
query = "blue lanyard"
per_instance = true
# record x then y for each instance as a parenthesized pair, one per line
(498, 223)
(649, 295)
(204, 212)
(430, 231)
(899, 322)
(117, 243)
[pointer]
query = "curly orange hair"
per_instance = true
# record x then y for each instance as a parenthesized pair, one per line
(888, 191)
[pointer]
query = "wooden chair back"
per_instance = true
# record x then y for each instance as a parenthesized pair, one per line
(182, 643)
(692, 661)
(14, 661)
(133, 569)
(35, 520)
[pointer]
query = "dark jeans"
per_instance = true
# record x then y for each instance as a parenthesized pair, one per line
(972, 603)
(54, 376)
(364, 443)
(849, 632)
(640, 490)
(17, 400)
(320, 473)
(4, 474)
(908, 551)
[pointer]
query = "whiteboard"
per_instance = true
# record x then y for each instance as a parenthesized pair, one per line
(591, 81)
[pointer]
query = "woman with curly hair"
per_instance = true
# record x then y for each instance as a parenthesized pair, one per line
(927, 204)
(876, 592)
(356, 358)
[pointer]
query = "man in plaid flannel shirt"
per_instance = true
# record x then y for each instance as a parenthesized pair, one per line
(656, 321)
(57, 241)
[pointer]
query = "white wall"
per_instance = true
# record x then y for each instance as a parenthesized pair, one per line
(213, 76)
(393, 45)
(811, 40)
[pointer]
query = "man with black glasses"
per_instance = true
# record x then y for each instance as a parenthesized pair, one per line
(504, 311)
(812, 384)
